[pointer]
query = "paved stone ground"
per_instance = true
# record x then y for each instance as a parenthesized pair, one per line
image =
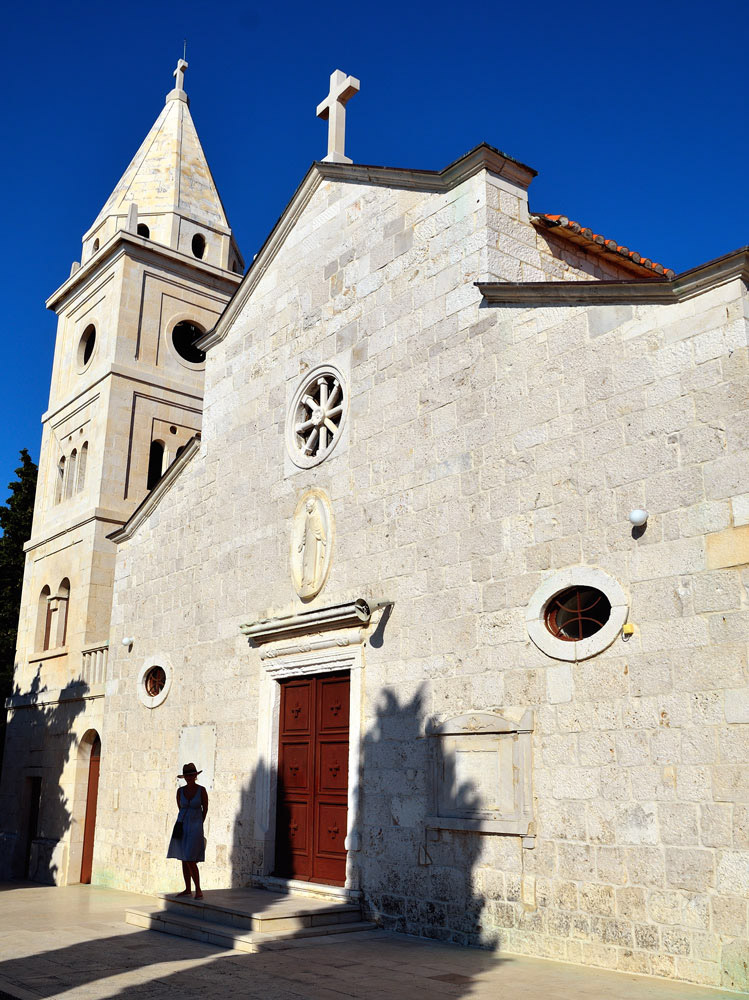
(73, 944)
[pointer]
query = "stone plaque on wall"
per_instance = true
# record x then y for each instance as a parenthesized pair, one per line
(197, 745)
(482, 774)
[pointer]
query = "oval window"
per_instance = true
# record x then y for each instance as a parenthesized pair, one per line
(577, 613)
(154, 681)
(86, 345)
(198, 245)
(184, 336)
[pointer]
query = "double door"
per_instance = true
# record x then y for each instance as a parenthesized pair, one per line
(313, 779)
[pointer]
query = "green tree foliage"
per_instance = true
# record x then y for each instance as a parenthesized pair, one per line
(15, 522)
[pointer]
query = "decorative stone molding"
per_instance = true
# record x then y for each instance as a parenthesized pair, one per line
(482, 775)
(576, 576)
(315, 643)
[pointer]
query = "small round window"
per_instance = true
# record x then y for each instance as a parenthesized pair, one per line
(86, 345)
(143, 230)
(154, 681)
(198, 245)
(577, 613)
(184, 336)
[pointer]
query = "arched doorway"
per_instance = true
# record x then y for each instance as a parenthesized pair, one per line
(92, 794)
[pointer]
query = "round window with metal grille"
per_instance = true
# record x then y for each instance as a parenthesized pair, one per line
(316, 417)
(577, 613)
(154, 681)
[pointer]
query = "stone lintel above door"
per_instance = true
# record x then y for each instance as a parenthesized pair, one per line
(338, 625)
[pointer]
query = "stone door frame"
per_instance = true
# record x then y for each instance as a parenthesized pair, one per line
(324, 661)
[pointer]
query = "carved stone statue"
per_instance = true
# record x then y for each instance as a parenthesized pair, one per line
(311, 544)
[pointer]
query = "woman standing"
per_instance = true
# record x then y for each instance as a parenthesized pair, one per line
(189, 848)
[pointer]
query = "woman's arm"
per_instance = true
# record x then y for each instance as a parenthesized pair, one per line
(178, 805)
(204, 801)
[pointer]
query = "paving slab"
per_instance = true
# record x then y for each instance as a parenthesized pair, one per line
(72, 943)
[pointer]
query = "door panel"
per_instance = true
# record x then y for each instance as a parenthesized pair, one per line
(313, 778)
(334, 703)
(89, 825)
(296, 707)
(333, 764)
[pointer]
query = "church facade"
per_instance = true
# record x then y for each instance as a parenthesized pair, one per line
(430, 552)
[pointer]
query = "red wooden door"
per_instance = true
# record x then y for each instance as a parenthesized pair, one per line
(89, 825)
(313, 779)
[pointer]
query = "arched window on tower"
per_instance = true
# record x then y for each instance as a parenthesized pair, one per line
(83, 459)
(72, 473)
(198, 245)
(63, 607)
(43, 623)
(143, 230)
(155, 464)
(60, 481)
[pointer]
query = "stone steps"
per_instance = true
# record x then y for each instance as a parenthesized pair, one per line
(249, 920)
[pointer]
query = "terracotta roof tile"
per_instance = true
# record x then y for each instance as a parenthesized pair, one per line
(600, 243)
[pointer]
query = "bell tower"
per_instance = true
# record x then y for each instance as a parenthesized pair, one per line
(158, 265)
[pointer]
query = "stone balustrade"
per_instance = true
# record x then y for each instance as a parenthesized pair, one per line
(94, 663)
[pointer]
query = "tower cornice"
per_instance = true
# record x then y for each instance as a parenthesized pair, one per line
(147, 251)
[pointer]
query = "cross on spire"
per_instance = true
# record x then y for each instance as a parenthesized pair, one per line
(333, 110)
(179, 75)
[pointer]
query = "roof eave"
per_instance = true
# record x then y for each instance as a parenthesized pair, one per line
(661, 291)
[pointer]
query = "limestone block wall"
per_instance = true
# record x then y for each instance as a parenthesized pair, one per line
(486, 449)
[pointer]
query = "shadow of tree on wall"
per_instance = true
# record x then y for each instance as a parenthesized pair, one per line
(246, 856)
(35, 814)
(415, 879)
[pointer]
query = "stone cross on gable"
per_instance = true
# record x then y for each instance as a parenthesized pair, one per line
(333, 110)
(179, 75)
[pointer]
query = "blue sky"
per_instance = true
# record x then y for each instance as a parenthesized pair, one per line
(635, 117)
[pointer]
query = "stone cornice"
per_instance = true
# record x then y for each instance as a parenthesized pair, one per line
(339, 616)
(662, 291)
(146, 250)
(147, 506)
(483, 157)
(76, 691)
(100, 514)
(132, 374)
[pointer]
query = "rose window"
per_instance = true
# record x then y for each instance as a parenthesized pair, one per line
(316, 417)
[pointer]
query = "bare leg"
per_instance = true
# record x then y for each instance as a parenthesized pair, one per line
(186, 875)
(196, 879)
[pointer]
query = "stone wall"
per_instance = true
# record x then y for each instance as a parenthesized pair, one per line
(486, 448)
